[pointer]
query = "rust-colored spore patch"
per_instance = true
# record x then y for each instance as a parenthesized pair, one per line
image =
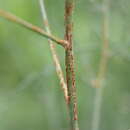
(69, 8)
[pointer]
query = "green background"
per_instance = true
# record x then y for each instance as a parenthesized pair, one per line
(30, 94)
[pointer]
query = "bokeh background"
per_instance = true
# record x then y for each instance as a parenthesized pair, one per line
(30, 94)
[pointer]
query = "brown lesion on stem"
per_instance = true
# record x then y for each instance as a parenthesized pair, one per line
(69, 61)
(69, 7)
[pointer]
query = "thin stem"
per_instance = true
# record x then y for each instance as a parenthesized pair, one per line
(53, 51)
(102, 69)
(31, 27)
(70, 74)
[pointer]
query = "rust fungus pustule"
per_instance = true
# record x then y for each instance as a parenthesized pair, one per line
(69, 9)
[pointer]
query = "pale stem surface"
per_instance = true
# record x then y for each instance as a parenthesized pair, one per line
(53, 50)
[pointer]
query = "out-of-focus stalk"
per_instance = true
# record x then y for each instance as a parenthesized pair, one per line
(102, 68)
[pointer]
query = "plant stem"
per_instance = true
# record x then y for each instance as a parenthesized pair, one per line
(69, 61)
(31, 27)
(102, 69)
(53, 51)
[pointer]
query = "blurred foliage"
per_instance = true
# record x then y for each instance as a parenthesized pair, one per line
(30, 94)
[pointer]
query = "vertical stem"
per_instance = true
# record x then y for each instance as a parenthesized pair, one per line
(69, 61)
(102, 69)
(53, 51)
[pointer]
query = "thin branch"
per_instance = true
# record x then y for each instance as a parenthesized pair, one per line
(102, 69)
(53, 51)
(70, 74)
(31, 27)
